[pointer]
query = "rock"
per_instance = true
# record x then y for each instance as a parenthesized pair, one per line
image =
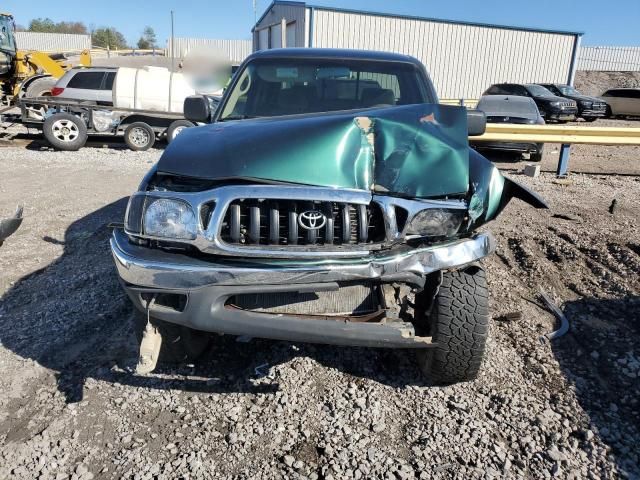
(377, 427)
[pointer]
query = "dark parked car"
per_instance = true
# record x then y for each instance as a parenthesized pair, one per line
(589, 108)
(511, 109)
(331, 200)
(551, 107)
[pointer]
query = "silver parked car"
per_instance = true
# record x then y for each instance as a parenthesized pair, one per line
(623, 102)
(93, 84)
(515, 110)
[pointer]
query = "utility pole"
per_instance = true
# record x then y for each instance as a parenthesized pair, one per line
(173, 43)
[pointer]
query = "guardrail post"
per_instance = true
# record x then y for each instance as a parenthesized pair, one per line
(563, 162)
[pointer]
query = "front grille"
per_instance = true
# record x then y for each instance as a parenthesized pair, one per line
(567, 104)
(354, 299)
(277, 222)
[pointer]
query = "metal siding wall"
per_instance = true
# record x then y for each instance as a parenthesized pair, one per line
(463, 60)
(617, 59)
(52, 42)
(292, 13)
(236, 50)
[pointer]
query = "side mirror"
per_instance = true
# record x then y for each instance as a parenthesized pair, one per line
(476, 122)
(197, 109)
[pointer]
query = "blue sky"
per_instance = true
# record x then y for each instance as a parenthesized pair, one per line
(615, 22)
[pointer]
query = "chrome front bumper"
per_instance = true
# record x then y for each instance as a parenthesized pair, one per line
(208, 284)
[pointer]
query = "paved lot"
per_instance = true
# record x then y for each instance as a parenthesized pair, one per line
(71, 408)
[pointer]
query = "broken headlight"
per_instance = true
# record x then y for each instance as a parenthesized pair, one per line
(436, 222)
(167, 218)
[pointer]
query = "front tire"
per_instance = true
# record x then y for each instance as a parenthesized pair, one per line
(179, 344)
(65, 131)
(458, 322)
(40, 87)
(537, 155)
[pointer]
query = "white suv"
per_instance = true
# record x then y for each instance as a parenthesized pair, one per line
(91, 84)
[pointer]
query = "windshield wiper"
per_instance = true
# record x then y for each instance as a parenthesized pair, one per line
(236, 117)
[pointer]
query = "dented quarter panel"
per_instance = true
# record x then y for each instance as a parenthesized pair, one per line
(414, 150)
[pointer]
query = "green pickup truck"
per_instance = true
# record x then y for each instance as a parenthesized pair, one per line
(329, 199)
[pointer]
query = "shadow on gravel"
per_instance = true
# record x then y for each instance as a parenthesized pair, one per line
(73, 318)
(600, 356)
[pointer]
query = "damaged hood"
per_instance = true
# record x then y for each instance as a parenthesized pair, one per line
(414, 151)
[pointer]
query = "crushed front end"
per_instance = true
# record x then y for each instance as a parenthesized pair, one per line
(333, 228)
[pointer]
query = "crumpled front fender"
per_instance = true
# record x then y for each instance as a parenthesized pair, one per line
(490, 191)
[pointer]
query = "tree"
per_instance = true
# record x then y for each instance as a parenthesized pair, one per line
(148, 39)
(47, 25)
(108, 37)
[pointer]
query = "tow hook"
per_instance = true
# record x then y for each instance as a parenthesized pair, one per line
(150, 344)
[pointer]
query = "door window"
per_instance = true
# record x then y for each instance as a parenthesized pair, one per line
(517, 90)
(86, 80)
(108, 81)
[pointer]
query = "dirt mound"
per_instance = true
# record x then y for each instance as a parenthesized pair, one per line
(595, 83)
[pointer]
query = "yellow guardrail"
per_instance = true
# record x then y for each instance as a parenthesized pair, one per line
(565, 134)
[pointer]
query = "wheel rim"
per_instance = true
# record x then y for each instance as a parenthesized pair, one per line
(65, 130)
(177, 131)
(139, 136)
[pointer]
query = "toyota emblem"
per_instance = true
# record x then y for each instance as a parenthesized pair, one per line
(312, 220)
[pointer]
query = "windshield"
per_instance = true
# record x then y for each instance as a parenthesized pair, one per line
(497, 105)
(567, 90)
(538, 91)
(7, 41)
(273, 87)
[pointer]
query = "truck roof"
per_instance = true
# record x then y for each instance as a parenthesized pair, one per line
(337, 53)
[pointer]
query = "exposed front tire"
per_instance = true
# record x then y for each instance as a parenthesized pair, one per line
(176, 128)
(65, 131)
(139, 136)
(179, 344)
(458, 321)
(590, 119)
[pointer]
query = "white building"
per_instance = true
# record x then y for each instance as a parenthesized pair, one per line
(235, 50)
(52, 42)
(462, 58)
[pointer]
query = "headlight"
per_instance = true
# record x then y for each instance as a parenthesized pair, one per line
(436, 222)
(168, 218)
(556, 104)
(587, 104)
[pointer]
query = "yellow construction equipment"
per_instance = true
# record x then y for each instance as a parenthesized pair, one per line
(27, 73)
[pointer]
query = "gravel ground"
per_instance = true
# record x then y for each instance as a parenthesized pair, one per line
(70, 406)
